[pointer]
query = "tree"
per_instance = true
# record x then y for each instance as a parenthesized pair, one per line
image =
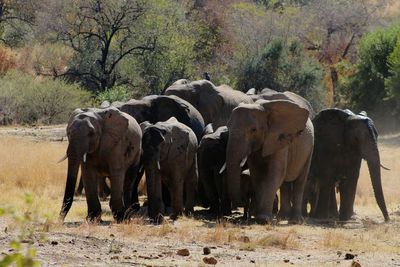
(17, 17)
(102, 33)
(377, 64)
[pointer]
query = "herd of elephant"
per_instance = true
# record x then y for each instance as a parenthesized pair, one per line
(201, 144)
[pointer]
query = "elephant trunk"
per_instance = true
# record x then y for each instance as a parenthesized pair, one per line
(74, 159)
(154, 189)
(235, 153)
(374, 167)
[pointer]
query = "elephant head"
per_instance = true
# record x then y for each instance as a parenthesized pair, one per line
(264, 128)
(361, 136)
(89, 132)
(139, 109)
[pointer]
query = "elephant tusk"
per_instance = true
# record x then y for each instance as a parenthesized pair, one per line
(158, 165)
(385, 168)
(223, 168)
(243, 162)
(84, 157)
(63, 158)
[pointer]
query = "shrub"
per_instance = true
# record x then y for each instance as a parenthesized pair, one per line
(117, 93)
(285, 67)
(26, 99)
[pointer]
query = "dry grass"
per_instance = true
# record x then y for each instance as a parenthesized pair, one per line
(30, 167)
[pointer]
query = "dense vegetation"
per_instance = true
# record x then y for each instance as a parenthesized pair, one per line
(334, 52)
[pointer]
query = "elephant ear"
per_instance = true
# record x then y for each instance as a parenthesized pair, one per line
(286, 120)
(115, 125)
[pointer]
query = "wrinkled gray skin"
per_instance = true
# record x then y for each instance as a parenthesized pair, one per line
(104, 142)
(342, 139)
(154, 108)
(215, 103)
(169, 157)
(269, 94)
(276, 137)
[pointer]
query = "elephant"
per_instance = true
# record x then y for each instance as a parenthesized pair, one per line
(155, 108)
(105, 143)
(211, 157)
(169, 157)
(342, 139)
(276, 139)
(215, 103)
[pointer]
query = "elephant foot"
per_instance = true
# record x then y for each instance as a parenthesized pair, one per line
(283, 215)
(189, 212)
(132, 211)
(264, 219)
(119, 215)
(94, 218)
(157, 219)
(296, 219)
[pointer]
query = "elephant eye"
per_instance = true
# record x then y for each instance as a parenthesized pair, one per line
(253, 129)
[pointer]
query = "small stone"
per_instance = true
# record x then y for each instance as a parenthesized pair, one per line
(54, 243)
(286, 260)
(210, 260)
(127, 258)
(114, 257)
(183, 252)
(238, 258)
(206, 250)
(355, 264)
(252, 261)
(112, 235)
(349, 256)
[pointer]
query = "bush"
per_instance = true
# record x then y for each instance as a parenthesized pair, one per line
(26, 99)
(285, 67)
(117, 93)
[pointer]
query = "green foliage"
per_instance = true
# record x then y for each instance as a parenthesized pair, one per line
(392, 83)
(117, 93)
(285, 67)
(172, 57)
(377, 66)
(25, 99)
(21, 255)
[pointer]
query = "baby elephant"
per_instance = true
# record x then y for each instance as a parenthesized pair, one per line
(169, 157)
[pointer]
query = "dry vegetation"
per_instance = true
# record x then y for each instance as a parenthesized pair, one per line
(30, 167)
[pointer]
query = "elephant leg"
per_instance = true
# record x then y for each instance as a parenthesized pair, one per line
(78, 191)
(299, 185)
(135, 193)
(155, 194)
(324, 197)
(208, 181)
(190, 187)
(286, 207)
(225, 205)
(333, 211)
(116, 200)
(132, 179)
(177, 198)
(101, 187)
(92, 197)
(347, 190)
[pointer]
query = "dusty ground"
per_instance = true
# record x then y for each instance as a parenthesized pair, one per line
(28, 165)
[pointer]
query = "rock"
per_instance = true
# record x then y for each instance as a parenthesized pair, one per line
(206, 250)
(286, 260)
(54, 243)
(115, 258)
(210, 260)
(183, 252)
(238, 258)
(349, 256)
(355, 264)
